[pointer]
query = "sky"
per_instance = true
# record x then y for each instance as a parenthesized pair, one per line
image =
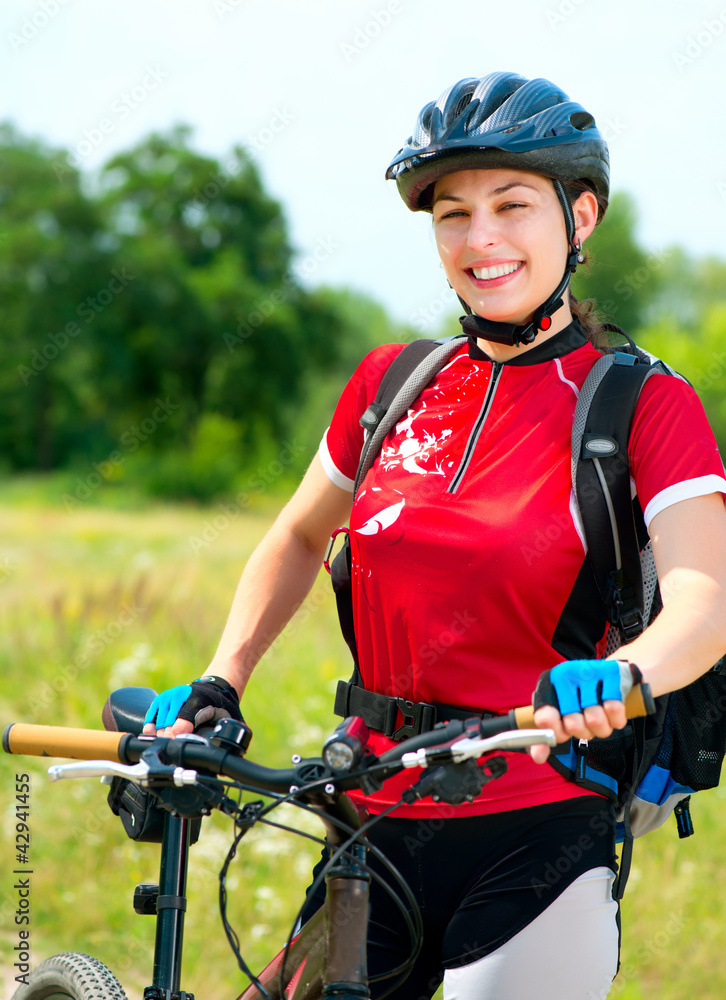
(323, 93)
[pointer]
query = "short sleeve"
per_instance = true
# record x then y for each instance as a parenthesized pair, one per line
(672, 449)
(342, 442)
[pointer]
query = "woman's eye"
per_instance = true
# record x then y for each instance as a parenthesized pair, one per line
(512, 204)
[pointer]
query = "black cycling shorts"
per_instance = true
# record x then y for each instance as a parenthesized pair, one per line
(478, 881)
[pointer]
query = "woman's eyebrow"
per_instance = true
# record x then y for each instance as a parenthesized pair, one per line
(500, 190)
(513, 184)
(448, 197)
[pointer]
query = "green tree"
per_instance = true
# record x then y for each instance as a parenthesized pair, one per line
(686, 287)
(53, 265)
(216, 318)
(158, 304)
(700, 355)
(621, 276)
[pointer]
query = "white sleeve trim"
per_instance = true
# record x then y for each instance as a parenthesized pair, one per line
(334, 474)
(699, 487)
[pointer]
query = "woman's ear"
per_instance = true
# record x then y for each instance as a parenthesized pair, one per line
(585, 211)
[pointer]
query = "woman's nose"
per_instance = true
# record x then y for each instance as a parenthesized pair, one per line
(482, 231)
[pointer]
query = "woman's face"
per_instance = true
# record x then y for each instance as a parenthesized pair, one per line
(502, 240)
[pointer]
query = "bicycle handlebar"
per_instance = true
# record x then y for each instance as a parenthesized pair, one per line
(192, 753)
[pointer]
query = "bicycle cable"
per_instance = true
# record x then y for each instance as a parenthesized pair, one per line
(411, 918)
(229, 931)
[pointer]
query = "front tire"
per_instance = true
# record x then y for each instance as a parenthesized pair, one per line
(71, 976)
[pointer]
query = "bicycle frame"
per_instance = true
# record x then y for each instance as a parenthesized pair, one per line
(321, 958)
(328, 956)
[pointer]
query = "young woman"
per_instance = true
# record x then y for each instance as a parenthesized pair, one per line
(450, 606)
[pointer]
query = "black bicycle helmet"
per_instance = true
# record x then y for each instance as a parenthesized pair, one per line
(503, 120)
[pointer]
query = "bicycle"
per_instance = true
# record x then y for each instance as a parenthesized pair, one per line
(189, 776)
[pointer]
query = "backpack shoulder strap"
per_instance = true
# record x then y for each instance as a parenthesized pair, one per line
(601, 484)
(404, 380)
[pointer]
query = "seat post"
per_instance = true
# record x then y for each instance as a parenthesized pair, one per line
(171, 903)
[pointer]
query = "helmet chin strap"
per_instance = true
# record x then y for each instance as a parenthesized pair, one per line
(512, 334)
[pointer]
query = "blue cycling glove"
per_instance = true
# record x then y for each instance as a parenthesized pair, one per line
(207, 699)
(576, 684)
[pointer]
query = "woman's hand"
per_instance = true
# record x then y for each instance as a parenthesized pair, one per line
(183, 708)
(584, 699)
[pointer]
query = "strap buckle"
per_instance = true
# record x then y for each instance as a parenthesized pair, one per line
(622, 611)
(418, 717)
(331, 543)
(630, 625)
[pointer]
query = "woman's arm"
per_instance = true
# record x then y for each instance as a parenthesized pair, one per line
(279, 574)
(689, 635)
(277, 578)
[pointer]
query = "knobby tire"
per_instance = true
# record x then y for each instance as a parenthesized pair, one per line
(71, 976)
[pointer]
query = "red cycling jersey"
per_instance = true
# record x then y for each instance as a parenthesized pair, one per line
(467, 557)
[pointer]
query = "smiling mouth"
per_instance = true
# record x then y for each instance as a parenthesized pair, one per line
(497, 271)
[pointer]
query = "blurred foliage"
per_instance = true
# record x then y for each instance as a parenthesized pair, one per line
(96, 599)
(619, 273)
(698, 353)
(640, 289)
(159, 334)
(54, 261)
(156, 321)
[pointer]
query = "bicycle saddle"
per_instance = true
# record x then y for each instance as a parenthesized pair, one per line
(125, 709)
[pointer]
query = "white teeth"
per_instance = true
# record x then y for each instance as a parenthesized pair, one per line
(495, 272)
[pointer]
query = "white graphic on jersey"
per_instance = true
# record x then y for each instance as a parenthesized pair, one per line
(382, 520)
(567, 381)
(413, 449)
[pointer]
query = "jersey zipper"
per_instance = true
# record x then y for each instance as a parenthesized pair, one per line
(478, 426)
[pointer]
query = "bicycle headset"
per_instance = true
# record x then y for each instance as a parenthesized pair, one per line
(504, 120)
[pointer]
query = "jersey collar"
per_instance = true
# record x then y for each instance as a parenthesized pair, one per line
(564, 342)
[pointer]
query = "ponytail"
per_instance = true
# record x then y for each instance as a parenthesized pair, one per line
(586, 315)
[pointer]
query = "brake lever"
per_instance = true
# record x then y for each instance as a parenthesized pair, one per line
(99, 768)
(471, 747)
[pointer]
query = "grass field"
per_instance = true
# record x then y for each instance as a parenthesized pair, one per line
(97, 598)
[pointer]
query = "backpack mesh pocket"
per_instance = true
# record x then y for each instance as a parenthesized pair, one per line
(613, 755)
(694, 736)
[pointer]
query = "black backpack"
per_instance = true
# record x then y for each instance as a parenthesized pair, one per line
(653, 766)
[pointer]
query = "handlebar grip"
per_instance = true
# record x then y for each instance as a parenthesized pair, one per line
(639, 702)
(58, 741)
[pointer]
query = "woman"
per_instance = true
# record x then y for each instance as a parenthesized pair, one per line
(449, 605)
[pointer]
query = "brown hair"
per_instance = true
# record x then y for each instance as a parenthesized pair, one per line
(586, 312)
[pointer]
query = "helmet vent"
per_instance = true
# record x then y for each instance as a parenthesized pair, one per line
(463, 103)
(581, 120)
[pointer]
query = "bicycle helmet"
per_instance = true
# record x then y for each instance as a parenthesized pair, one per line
(504, 120)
